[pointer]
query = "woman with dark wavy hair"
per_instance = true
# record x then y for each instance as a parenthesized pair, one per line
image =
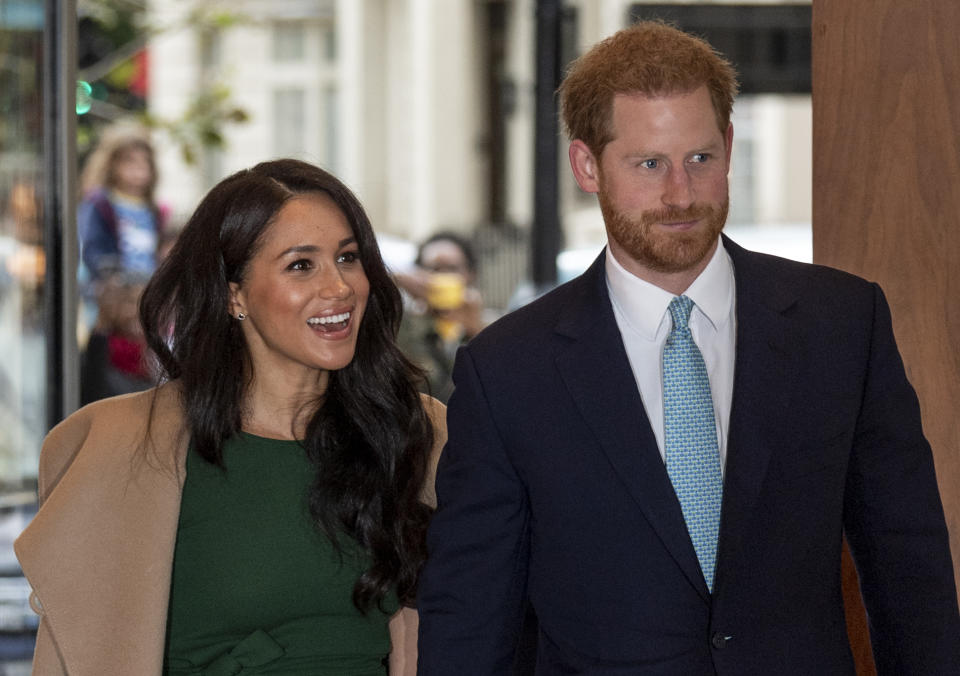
(264, 510)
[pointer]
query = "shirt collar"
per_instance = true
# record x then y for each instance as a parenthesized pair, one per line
(644, 306)
(712, 291)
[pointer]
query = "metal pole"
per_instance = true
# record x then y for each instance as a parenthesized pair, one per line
(59, 209)
(545, 237)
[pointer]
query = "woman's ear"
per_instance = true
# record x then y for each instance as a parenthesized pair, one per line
(236, 306)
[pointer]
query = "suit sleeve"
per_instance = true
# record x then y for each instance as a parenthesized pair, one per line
(895, 524)
(471, 592)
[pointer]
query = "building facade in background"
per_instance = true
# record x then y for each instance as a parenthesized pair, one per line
(425, 108)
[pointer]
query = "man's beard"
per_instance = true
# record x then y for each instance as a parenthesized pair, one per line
(665, 252)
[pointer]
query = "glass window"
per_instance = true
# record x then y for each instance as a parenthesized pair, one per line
(329, 43)
(329, 120)
(211, 48)
(289, 121)
(288, 42)
(22, 376)
(22, 333)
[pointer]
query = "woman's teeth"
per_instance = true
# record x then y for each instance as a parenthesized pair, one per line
(330, 319)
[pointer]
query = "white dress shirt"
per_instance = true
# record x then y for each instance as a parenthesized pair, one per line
(641, 312)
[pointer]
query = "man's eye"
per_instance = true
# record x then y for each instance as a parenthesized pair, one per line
(700, 157)
(649, 164)
(348, 257)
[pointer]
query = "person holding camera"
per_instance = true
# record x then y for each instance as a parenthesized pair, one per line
(446, 308)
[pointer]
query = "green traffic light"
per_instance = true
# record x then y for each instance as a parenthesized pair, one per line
(84, 99)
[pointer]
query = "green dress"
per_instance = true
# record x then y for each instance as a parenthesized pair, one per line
(257, 588)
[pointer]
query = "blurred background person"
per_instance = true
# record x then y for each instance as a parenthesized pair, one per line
(119, 222)
(445, 309)
(114, 360)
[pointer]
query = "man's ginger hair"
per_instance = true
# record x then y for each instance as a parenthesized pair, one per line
(649, 58)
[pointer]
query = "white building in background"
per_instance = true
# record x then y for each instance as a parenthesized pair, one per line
(390, 95)
(384, 93)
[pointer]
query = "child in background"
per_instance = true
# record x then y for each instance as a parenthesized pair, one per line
(118, 220)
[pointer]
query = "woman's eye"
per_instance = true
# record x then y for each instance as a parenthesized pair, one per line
(299, 265)
(349, 257)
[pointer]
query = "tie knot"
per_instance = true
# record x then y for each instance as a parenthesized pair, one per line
(680, 308)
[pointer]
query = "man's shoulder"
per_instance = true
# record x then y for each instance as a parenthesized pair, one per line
(770, 273)
(537, 318)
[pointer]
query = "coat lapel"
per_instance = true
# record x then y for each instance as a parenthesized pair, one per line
(99, 552)
(766, 369)
(596, 371)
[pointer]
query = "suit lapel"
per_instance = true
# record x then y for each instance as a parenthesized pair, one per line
(766, 368)
(597, 373)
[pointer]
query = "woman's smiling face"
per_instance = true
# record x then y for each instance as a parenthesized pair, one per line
(303, 292)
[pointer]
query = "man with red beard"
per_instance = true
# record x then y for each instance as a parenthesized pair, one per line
(662, 456)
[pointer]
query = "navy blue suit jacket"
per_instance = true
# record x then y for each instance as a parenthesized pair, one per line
(552, 487)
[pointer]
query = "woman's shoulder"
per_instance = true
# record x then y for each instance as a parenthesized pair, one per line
(117, 422)
(124, 411)
(437, 412)
(96, 202)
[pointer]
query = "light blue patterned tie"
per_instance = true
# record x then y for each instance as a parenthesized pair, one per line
(693, 459)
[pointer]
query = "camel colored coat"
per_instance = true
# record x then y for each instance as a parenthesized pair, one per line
(99, 552)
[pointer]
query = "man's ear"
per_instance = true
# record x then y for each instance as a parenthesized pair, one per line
(586, 167)
(236, 304)
(728, 139)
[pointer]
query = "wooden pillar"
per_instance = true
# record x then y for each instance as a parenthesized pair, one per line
(886, 200)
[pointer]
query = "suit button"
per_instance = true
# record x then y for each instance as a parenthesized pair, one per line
(719, 641)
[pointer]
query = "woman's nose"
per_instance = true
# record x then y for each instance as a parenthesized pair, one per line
(333, 285)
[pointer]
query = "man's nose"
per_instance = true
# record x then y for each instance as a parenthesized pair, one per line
(678, 191)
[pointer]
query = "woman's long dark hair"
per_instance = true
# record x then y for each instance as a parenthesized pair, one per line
(370, 438)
